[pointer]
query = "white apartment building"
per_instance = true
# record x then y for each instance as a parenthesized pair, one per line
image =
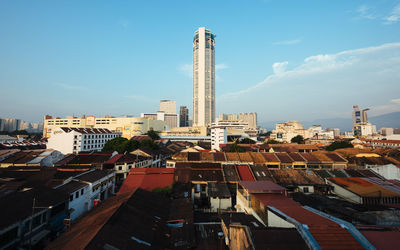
(74, 140)
(87, 188)
(218, 136)
(168, 106)
(128, 126)
(203, 77)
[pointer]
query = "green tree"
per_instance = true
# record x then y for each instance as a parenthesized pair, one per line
(153, 134)
(339, 144)
(297, 139)
(148, 144)
(117, 144)
(234, 147)
(131, 145)
(272, 141)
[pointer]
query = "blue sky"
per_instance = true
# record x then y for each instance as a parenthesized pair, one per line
(284, 60)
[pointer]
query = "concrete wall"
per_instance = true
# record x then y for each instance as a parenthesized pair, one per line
(217, 203)
(276, 221)
(344, 193)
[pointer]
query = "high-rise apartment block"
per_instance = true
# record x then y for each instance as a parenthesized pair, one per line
(203, 77)
(184, 116)
(250, 118)
(361, 126)
(359, 116)
(168, 107)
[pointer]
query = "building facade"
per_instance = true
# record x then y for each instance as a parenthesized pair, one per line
(183, 116)
(170, 120)
(218, 136)
(203, 77)
(128, 126)
(74, 140)
(168, 106)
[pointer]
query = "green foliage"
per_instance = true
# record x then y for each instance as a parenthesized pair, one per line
(164, 191)
(153, 134)
(117, 144)
(122, 145)
(148, 144)
(131, 145)
(297, 139)
(272, 141)
(234, 147)
(247, 141)
(339, 144)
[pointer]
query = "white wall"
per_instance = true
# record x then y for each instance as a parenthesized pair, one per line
(217, 203)
(390, 171)
(62, 142)
(276, 221)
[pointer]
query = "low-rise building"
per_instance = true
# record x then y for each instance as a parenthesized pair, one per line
(127, 126)
(370, 191)
(74, 140)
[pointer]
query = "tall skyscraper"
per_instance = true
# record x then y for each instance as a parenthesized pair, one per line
(359, 116)
(184, 116)
(168, 106)
(203, 77)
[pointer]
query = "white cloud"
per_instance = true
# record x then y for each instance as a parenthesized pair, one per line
(397, 101)
(366, 12)
(288, 42)
(70, 86)
(186, 69)
(323, 85)
(221, 66)
(394, 16)
(279, 67)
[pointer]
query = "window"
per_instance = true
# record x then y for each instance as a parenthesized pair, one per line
(71, 197)
(305, 190)
(120, 168)
(77, 194)
(82, 191)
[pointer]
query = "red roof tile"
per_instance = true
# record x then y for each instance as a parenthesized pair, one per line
(147, 179)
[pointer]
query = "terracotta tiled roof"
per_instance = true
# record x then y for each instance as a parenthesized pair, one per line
(232, 156)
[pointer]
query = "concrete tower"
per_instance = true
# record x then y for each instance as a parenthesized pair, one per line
(203, 77)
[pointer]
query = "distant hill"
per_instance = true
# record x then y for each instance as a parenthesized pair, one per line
(391, 120)
(345, 124)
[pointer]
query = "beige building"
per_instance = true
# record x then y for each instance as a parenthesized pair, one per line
(168, 107)
(203, 77)
(171, 120)
(186, 131)
(128, 126)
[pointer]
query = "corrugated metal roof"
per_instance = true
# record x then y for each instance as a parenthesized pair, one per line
(362, 187)
(262, 187)
(245, 173)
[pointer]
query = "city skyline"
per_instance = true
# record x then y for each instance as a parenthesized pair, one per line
(313, 60)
